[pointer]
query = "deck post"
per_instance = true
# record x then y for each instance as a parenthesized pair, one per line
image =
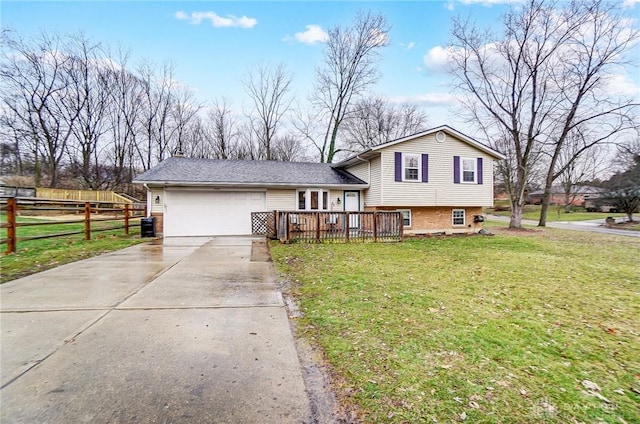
(87, 221)
(347, 224)
(11, 222)
(318, 227)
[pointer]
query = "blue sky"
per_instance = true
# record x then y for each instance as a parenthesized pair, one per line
(213, 44)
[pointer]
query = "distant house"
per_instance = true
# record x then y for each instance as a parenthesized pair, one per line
(579, 196)
(440, 179)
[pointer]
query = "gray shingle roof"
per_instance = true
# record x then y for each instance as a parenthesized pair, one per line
(245, 172)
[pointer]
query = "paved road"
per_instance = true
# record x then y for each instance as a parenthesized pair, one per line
(593, 226)
(185, 333)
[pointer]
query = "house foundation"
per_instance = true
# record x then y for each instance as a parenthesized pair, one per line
(437, 219)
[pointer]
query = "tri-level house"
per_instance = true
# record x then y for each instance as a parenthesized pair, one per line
(439, 179)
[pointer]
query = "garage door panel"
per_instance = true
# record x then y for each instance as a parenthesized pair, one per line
(202, 213)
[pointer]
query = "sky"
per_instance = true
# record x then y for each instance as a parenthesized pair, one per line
(213, 44)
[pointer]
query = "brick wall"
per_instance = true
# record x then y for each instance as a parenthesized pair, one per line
(159, 222)
(436, 219)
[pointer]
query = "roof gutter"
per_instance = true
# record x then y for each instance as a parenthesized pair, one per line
(244, 185)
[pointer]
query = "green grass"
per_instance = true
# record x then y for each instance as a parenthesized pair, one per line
(556, 213)
(38, 255)
(503, 329)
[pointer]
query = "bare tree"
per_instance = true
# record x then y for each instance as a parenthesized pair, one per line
(578, 165)
(91, 101)
(184, 109)
(544, 77)
(13, 137)
(223, 128)
(154, 114)
(288, 149)
(248, 146)
(349, 68)
(37, 88)
(196, 139)
(374, 120)
(126, 91)
(268, 87)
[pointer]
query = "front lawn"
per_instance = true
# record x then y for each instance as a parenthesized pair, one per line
(527, 327)
(556, 213)
(38, 255)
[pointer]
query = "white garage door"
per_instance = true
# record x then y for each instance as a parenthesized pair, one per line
(205, 213)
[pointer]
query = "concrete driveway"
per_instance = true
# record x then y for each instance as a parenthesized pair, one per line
(193, 331)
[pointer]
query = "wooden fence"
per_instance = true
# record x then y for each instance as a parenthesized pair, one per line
(102, 196)
(338, 227)
(120, 214)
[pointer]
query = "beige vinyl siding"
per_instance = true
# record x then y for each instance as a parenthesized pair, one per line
(281, 200)
(440, 190)
(153, 193)
(361, 170)
(373, 196)
(334, 195)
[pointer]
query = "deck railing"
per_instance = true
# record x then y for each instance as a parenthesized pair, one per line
(337, 227)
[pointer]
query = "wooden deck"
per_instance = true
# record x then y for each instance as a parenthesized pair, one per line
(336, 227)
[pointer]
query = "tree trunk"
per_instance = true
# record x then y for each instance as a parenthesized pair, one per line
(517, 207)
(544, 209)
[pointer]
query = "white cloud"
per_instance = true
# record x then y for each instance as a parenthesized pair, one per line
(216, 20)
(623, 85)
(408, 46)
(437, 58)
(630, 4)
(312, 35)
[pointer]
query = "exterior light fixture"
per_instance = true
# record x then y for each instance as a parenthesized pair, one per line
(157, 200)
(338, 201)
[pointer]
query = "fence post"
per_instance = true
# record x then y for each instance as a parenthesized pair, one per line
(375, 227)
(126, 219)
(318, 227)
(286, 228)
(11, 221)
(87, 221)
(347, 223)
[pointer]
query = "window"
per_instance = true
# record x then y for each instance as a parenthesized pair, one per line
(313, 200)
(411, 167)
(468, 170)
(406, 217)
(458, 216)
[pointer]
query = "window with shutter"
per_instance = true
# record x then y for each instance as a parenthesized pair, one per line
(411, 167)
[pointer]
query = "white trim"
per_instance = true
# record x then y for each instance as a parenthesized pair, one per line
(321, 204)
(410, 217)
(247, 186)
(444, 128)
(474, 161)
(453, 217)
(403, 157)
